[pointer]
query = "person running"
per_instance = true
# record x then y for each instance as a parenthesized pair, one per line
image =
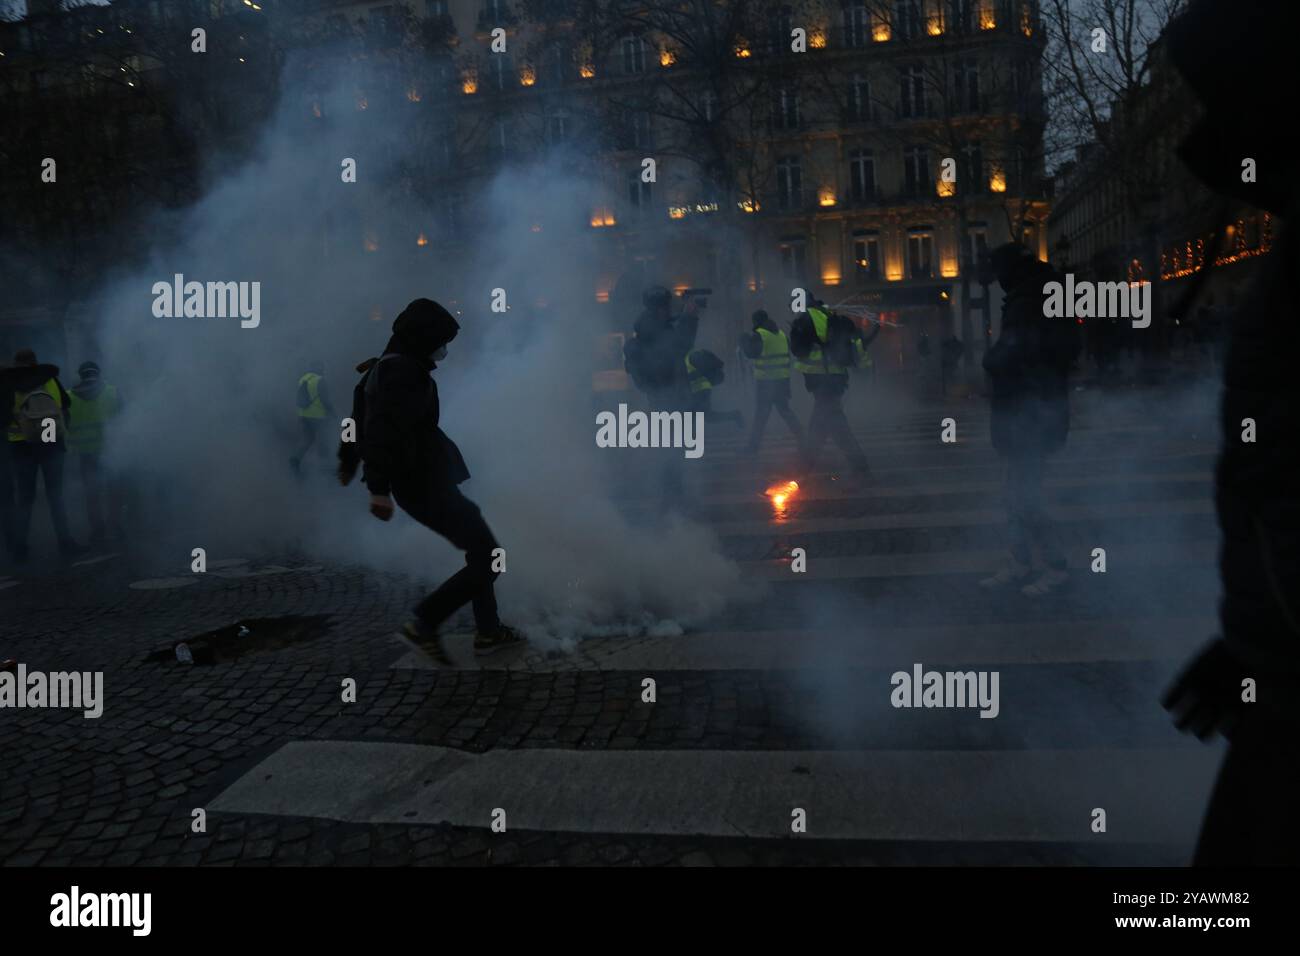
(769, 348)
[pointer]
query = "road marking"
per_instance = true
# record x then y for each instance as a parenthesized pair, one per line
(1101, 511)
(162, 584)
(1150, 796)
(1192, 554)
(95, 560)
(1013, 642)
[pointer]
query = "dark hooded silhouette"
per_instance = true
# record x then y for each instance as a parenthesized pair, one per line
(1252, 817)
(407, 455)
(1028, 369)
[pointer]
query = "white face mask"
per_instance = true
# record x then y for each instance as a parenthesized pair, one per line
(441, 354)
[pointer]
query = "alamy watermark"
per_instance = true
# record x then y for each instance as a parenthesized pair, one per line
(922, 688)
(75, 909)
(651, 430)
(77, 690)
(208, 300)
(1098, 300)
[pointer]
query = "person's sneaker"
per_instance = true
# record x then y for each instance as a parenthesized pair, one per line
(1013, 573)
(493, 641)
(1049, 581)
(427, 639)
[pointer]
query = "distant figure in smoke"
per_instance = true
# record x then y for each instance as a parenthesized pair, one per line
(769, 348)
(94, 404)
(704, 370)
(826, 345)
(1246, 684)
(655, 357)
(407, 456)
(39, 408)
(314, 412)
(1029, 367)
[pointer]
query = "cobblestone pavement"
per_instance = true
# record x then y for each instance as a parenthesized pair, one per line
(779, 678)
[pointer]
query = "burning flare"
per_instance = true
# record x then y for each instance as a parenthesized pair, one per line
(780, 495)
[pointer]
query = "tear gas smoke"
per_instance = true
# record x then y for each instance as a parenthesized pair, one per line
(210, 426)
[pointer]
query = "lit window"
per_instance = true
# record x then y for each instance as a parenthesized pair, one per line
(920, 255)
(866, 255)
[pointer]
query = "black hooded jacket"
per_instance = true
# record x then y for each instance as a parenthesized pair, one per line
(401, 444)
(1030, 409)
(1255, 487)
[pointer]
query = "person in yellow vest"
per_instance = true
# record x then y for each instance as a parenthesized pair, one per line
(769, 348)
(93, 404)
(827, 381)
(314, 412)
(704, 370)
(36, 435)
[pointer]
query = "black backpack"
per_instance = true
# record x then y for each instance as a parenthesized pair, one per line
(839, 347)
(448, 460)
(709, 365)
(350, 451)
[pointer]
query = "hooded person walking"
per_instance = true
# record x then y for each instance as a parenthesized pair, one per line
(408, 459)
(1029, 369)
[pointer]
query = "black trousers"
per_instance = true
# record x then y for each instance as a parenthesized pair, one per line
(449, 513)
(828, 421)
(29, 458)
(1027, 522)
(670, 463)
(773, 394)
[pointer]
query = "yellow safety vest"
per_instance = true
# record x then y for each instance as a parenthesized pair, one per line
(50, 388)
(814, 364)
(698, 380)
(314, 408)
(774, 363)
(86, 430)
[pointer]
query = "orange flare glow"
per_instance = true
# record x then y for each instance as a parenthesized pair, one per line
(780, 494)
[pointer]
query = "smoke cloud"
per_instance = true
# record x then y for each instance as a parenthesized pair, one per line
(210, 420)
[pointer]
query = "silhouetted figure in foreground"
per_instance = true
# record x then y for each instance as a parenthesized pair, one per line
(1246, 684)
(1029, 369)
(409, 459)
